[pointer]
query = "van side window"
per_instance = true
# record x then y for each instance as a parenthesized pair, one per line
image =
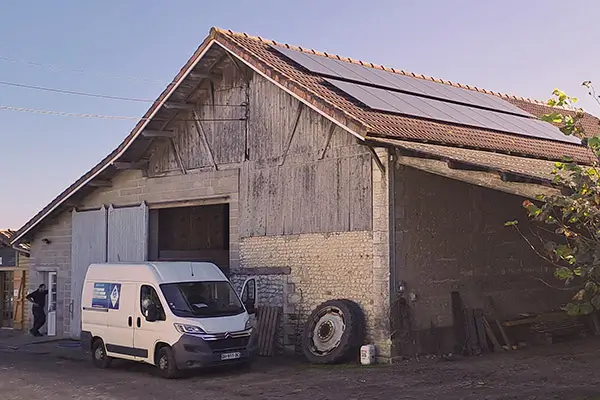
(149, 296)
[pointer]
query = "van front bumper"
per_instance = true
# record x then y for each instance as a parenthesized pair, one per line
(194, 352)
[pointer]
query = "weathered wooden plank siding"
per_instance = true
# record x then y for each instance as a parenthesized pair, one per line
(294, 180)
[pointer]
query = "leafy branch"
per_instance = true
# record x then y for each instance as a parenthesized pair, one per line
(573, 215)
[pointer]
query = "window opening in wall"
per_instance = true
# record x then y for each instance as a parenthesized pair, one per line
(198, 233)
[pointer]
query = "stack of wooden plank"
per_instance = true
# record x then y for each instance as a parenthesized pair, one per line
(268, 327)
(546, 327)
(473, 332)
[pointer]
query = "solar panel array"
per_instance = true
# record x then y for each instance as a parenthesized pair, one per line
(406, 95)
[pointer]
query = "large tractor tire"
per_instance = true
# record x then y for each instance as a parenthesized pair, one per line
(334, 332)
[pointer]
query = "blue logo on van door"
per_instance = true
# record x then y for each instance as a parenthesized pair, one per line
(106, 295)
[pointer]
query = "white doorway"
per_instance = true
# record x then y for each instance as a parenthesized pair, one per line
(52, 296)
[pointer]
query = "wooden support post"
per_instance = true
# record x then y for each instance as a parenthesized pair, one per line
(178, 156)
(377, 160)
(289, 143)
(202, 135)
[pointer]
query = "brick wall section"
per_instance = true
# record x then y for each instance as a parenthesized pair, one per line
(128, 188)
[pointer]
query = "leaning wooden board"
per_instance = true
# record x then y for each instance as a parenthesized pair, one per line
(268, 325)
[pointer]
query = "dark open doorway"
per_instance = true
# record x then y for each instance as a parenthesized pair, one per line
(198, 233)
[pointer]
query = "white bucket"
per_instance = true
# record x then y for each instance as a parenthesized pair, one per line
(367, 354)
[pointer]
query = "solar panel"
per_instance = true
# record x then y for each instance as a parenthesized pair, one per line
(334, 68)
(438, 110)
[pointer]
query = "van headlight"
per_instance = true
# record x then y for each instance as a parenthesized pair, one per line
(248, 324)
(193, 329)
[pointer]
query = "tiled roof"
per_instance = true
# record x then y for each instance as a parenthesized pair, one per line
(402, 127)
(365, 122)
(5, 235)
(537, 169)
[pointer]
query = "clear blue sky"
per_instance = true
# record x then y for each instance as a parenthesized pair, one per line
(520, 47)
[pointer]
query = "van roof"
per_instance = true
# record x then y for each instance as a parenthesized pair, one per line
(160, 272)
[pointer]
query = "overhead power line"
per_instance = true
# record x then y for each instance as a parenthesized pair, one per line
(97, 95)
(62, 91)
(67, 114)
(108, 117)
(75, 70)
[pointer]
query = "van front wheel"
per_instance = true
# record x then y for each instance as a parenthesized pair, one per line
(165, 362)
(99, 357)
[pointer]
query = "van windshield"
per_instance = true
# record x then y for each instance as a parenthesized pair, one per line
(202, 299)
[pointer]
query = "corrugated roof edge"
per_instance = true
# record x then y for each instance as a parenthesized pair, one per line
(388, 69)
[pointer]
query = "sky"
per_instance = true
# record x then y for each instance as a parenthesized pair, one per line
(134, 48)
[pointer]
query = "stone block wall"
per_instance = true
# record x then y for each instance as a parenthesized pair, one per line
(321, 267)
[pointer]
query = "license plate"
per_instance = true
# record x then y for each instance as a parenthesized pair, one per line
(231, 356)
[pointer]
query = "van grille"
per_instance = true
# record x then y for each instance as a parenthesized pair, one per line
(229, 343)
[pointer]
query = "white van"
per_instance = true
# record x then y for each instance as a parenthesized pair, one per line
(174, 315)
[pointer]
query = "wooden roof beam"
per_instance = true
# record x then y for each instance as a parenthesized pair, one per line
(213, 76)
(100, 183)
(130, 165)
(506, 176)
(455, 164)
(172, 105)
(148, 133)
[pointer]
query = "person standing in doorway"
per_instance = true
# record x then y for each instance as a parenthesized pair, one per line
(38, 298)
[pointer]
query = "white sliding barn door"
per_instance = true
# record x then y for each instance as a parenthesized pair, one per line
(128, 234)
(88, 246)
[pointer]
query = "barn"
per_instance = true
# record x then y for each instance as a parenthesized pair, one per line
(325, 178)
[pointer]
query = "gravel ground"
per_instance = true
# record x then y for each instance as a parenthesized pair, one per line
(561, 371)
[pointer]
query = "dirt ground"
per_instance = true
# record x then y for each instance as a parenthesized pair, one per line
(560, 371)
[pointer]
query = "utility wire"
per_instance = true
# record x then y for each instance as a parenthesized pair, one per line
(67, 114)
(109, 117)
(102, 96)
(79, 71)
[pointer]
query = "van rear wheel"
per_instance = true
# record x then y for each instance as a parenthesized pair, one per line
(99, 357)
(165, 362)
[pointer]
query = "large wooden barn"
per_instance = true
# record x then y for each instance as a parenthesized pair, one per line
(324, 177)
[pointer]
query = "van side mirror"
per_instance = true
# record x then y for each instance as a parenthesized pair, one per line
(250, 307)
(152, 313)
